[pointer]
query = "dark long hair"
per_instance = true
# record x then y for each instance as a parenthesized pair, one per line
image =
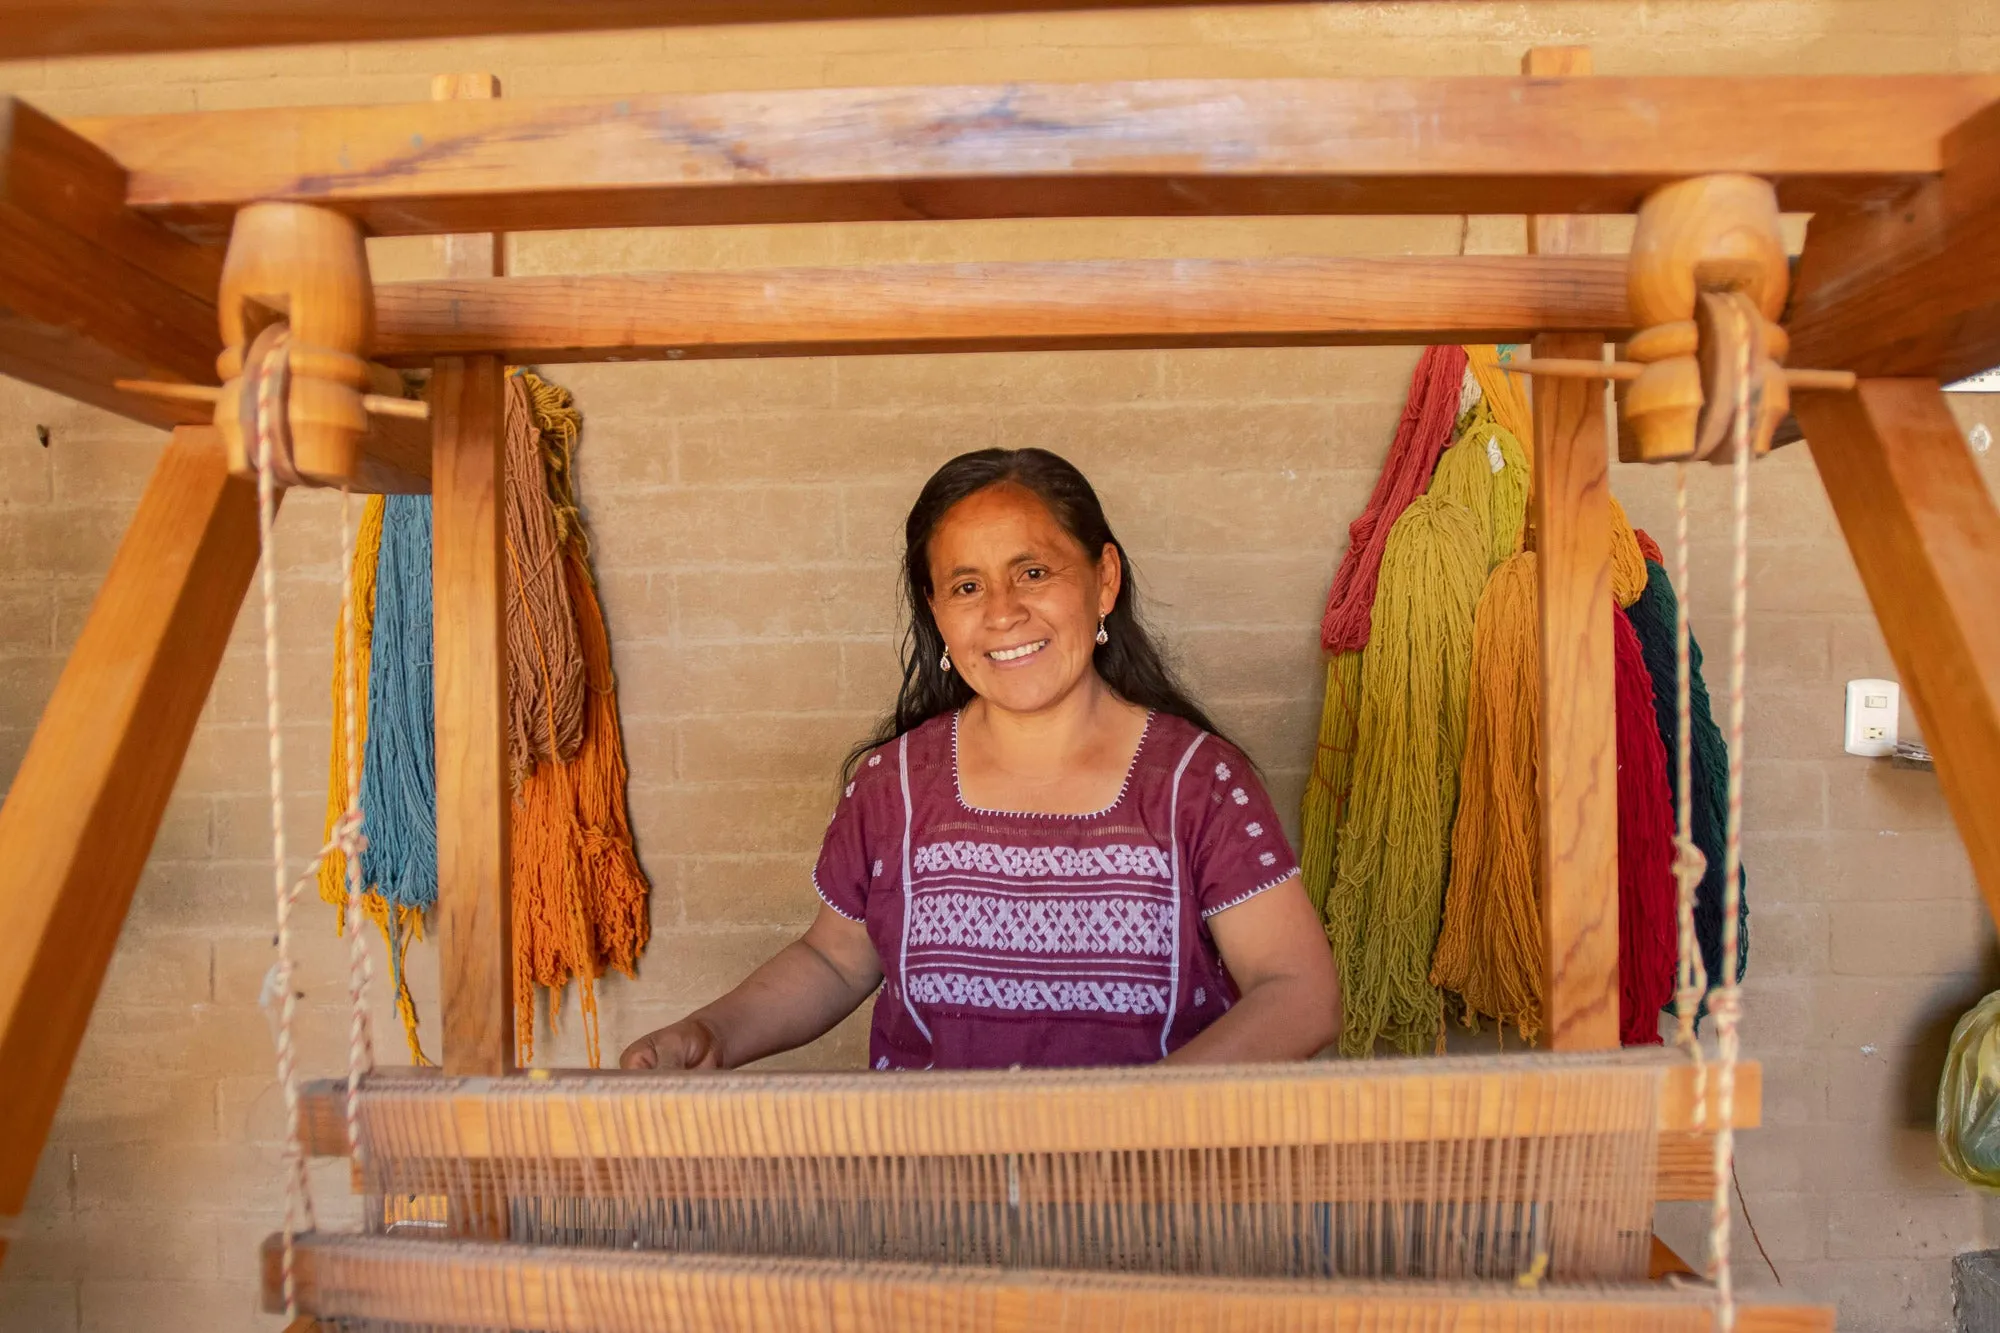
(1130, 663)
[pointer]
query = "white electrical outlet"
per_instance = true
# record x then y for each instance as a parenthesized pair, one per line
(1872, 708)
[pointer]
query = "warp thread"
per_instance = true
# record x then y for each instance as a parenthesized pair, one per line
(404, 923)
(1648, 933)
(1425, 429)
(579, 893)
(1653, 620)
(545, 690)
(1388, 896)
(1489, 951)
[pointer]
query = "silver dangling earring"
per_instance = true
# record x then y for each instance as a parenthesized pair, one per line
(1103, 635)
(944, 661)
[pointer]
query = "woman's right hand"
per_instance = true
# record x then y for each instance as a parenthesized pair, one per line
(688, 1044)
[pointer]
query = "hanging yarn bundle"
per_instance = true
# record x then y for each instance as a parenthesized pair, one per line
(1653, 620)
(1648, 942)
(1486, 471)
(1388, 894)
(544, 661)
(579, 894)
(1422, 434)
(1489, 951)
(403, 923)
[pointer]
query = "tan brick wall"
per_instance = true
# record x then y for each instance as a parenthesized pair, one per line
(745, 518)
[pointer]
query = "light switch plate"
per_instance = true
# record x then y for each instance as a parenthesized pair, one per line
(1872, 710)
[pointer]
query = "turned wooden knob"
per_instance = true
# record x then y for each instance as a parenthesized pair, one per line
(307, 267)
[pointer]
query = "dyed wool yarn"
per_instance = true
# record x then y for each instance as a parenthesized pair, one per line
(1486, 471)
(1489, 951)
(1648, 944)
(545, 685)
(399, 773)
(1653, 620)
(1388, 894)
(1331, 779)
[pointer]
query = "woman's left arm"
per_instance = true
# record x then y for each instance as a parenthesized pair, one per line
(1289, 990)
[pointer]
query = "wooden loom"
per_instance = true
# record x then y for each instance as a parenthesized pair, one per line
(114, 272)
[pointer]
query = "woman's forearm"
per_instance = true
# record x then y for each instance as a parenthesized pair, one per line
(1283, 1018)
(799, 995)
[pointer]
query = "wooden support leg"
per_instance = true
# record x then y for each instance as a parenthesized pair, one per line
(80, 818)
(1570, 509)
(1926, 537)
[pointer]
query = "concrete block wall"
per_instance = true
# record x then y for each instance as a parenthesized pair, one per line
(745, 519)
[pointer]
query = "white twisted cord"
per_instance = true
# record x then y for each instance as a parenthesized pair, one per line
(298, 1187)
(347, 836)
(1689, 864)
(1725, 1002)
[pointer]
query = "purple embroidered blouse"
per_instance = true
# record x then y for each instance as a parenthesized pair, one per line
(1037, 940)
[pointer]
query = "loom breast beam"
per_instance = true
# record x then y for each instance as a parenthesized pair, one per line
(1169, 147)
(80, 816)
(306, 268)
(1060, 305)
(1569, 510)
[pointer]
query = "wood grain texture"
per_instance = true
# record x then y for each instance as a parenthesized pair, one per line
(1167, 147)
(90, 291)
(1560, 233)
(30, 29)
(570, 1291)
(1912, 289)
(585, 1114)
(1577, 778)
(1925, 535)
(80, 817)
(1000, 307)
(474, 951)
(470, 254)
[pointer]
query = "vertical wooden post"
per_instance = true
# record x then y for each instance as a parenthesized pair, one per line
(470, 651)
(469, 600)
(1925, 535)
(80, 818)
(1577, 779)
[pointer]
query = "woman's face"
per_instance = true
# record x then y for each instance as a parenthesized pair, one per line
(1017, 598)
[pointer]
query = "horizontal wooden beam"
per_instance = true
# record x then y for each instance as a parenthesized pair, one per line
(1911, 288)
(30, 29)
(1170, 147)
(500, 1286)
(90, 291)
(1000, 307)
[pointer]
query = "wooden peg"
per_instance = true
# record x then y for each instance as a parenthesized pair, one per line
(1711, 236)
(307, 267)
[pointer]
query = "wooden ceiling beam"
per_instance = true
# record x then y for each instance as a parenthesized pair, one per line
(1911, 288)
(91, 292)
(30, 29)
(1063, 305)
(1156, 148)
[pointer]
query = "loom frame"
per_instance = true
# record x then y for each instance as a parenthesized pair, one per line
(111, 267)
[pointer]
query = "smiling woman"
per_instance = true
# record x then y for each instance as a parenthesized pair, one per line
(1048, 856)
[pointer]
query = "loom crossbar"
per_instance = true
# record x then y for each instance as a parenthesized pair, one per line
(473, 1286)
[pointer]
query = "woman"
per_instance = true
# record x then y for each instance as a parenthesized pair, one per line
(1048, 855)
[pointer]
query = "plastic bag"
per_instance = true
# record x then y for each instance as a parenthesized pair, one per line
(1968, 1107)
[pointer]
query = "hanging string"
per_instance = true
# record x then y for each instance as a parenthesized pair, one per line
(280, 986)
(1388, 898)
(1489, 951)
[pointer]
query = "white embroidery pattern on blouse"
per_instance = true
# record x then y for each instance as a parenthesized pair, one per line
(1239, 796)
(1254, 829)
(1222, 772)
(1043, 926)
(992, 858)
(1267, 858)
(1037, 994)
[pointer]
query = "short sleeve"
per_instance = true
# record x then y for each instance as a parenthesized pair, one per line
(1236, 847)
(846, 867)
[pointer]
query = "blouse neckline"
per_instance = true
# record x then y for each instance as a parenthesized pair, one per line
(958, 792)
